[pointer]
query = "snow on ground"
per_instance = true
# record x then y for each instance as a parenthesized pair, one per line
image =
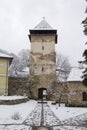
(67, 112)
(34, 118)
(11, 97)
(15, 127)
(23, 110)
(50, 118)
(69, 128)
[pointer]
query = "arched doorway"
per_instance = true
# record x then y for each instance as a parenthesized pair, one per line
(42, 93)
(84, 94)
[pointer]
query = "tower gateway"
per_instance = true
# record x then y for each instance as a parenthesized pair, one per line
(42, 58)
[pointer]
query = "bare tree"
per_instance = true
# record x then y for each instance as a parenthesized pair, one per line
(59, 89)
(14, 68)
(24, 57)
(19, 62)
(62, 68)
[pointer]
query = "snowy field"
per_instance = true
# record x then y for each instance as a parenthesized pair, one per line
(20, 116)
(67, 112)
(8, 112)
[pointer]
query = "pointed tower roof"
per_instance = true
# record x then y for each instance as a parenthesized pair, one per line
(43, 28)
(43, 25)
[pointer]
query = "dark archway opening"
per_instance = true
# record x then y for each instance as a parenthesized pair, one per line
(84, 94)
(42, 93)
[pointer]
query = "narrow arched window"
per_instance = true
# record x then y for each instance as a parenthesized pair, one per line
(42, 69)
(42, 47)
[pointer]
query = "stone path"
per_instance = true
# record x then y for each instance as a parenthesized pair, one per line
(43, 118)
(34, 118)
(49, 119)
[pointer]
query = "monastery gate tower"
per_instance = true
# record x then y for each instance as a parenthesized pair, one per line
(42, 57)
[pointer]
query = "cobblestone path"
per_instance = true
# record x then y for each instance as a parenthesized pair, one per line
(49, 119)
(34, 118)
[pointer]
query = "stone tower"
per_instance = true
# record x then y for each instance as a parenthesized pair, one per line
(42, 57)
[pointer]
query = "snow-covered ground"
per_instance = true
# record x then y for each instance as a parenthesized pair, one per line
(29, 113)
(11, 97)
(21, 110)
(67, 112)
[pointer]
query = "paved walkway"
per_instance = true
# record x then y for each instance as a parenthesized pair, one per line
(36, 118)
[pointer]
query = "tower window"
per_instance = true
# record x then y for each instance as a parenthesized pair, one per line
(42, 69)
(42, 47)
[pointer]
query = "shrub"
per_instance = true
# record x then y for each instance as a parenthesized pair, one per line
(16, 116)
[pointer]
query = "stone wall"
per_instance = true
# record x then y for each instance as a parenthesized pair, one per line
(75, 94)
(29, 86)
(18, 86)
(42, 62)
(13, 102)
(37, 82)
(39, 61)
(48, 41)
(72, 92)
(58, 92)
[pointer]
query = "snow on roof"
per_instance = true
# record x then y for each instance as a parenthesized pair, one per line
(11, 97)
(26, 69)
(5, 55)
(43, 25)
(75, 74)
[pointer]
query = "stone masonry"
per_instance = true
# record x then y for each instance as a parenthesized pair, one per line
(42, 56)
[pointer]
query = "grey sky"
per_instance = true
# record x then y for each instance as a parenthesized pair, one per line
(18, 16)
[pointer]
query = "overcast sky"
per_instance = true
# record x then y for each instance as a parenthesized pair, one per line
(18, 16)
